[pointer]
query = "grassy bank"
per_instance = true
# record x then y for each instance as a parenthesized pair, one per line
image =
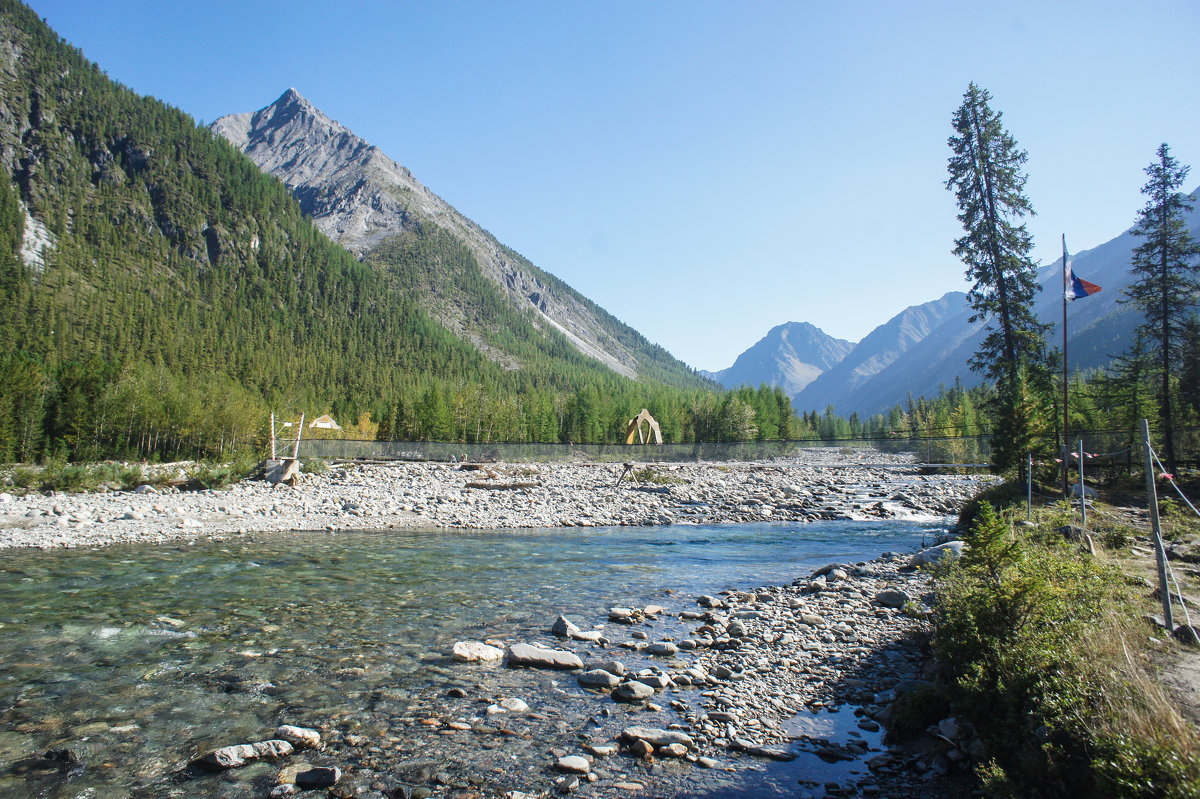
(1044, 649)
(115, 476)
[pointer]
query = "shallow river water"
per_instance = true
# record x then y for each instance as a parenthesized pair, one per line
(138, 658)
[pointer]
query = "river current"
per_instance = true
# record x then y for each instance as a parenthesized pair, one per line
(138, 658)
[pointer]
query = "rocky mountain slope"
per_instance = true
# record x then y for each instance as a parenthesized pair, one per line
(846, 385)
(790, 356)
(928, 346)
(362, 199)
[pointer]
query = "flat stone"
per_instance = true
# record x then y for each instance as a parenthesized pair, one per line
(599, 678)
(656, 736)
(577, 764)
(771, 752)
(539, 658)
(476, 651)
(662, 649)
(318, 777)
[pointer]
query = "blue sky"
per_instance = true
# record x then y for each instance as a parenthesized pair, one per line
(704, 171)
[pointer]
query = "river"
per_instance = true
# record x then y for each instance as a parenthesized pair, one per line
(138, 658)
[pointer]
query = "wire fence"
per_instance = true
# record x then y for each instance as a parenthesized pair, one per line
(946, 451)
(1104, 450)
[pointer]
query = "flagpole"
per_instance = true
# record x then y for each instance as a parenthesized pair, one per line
(1066, 435)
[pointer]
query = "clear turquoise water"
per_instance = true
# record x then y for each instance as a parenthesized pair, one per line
(139, 657)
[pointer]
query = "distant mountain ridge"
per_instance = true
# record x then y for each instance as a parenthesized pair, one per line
(790, 356)
(362, 199)
(928, 346)
(849, 380)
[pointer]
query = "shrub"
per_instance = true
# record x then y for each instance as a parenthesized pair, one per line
(1034, 636)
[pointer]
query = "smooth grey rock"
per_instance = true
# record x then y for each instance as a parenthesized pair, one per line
(632, 691)
(299, 737)
(563, 628)
(476, 651)
(577, 764)
(891, 598)
(318, 777)
(948, 727)
(662, 648)
(514, 705)
(539, 658)
(927, 557)
(656, 736)
(611, 666)
(238, 755)
(622, 615)
(598, 678)
(771, 752)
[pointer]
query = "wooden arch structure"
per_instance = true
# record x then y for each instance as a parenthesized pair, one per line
(634, 429)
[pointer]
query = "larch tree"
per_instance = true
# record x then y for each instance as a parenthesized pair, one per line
(1165, 284)
(988, 181)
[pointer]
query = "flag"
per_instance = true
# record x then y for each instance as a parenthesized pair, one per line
(1075, 287)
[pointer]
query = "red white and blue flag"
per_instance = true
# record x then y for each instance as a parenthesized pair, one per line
(1076, 288)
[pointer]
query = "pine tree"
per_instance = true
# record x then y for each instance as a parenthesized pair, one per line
(987, 180)
(1165, 279)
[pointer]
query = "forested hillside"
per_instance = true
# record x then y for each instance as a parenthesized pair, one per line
(177, 295)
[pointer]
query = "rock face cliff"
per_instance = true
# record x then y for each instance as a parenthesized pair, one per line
(361, 198)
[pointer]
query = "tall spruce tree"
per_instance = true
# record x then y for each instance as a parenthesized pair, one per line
(987, 180)
(1165, 285)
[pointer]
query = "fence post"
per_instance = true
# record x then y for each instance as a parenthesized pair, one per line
(1160, 554)
(1029, 488)
(1082, 490)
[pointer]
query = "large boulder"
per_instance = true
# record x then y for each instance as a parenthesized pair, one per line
(930, 556)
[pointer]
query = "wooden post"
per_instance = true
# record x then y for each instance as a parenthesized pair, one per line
(299, 432)
(272, 435)
(1082, 490)
(1029, 489)
(1160, 554)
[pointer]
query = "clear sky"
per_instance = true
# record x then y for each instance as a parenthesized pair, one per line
(702, 170)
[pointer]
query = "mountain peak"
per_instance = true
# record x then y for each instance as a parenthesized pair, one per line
(790, 356)
(293, 104)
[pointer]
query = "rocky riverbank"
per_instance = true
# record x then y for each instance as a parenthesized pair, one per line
(782, 691)
(819, 484)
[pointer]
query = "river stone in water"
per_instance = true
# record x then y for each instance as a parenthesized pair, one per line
(539, 658)
(632, 691)
(318, 777)
(474, 651)
(656, 737)
(240, 754)
(598, 678)
(299, 737)
(574, 763)
(563, 628)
